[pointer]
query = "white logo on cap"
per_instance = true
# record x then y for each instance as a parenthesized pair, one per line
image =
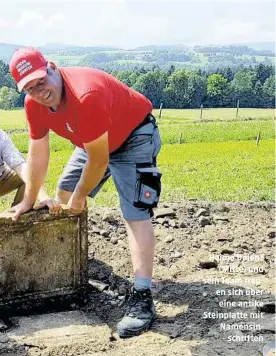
(23, 67)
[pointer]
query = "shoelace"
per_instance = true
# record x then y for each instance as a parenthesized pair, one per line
(138, 302)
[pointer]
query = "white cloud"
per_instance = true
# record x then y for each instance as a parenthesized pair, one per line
(113, 15)
(30, 18)
(133, 23)
(4, 24)
(39, 22)
(56, 22)
(225, 31)
(118, 24)
(157, 26)
(37, 2)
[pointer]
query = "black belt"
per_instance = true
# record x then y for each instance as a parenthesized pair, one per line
(147, 120)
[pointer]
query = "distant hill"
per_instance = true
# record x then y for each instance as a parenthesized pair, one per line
(162, 47)
(6, 50)
(257, 46)
(261, 46)
(56, 48)
(177, 55)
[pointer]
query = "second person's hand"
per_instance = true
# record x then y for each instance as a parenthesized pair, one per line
(53, 205)
(76, 204)
(19, 209)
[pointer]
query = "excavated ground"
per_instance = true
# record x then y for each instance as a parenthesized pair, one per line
(207, 255)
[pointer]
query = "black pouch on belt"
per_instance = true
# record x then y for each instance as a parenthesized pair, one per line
(148, 187)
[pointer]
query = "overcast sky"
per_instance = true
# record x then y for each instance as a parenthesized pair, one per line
(128, 23)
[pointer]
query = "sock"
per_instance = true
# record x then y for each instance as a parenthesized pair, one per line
(142, 283)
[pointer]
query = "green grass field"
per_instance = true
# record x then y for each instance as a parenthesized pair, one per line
(15, 119)
(170, 134)
(216, 160)
(12, 119)
(63, 59)
(214, 114)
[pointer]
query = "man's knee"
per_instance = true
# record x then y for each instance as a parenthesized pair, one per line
(140, 225)
(9, 181)
(63, 196)
(19, 195)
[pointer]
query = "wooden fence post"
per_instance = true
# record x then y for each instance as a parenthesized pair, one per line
(237, 112)
(201, 111)
(258, 138)
(160, 111)
(180, 138)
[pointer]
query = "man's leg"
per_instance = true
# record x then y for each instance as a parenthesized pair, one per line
(141, 244)
(141, 149)
(140, 313)
(10, 181)
(63, 196)
(71, 175)
(19, 194)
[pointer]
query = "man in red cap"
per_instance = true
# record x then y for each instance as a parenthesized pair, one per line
(115, 134)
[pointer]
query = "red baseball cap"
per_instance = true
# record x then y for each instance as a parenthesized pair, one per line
(27, 64)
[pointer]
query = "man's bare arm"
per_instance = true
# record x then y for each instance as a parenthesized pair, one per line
(21, 170)
(36, 169)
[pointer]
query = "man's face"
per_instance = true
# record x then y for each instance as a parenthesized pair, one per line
(47, 90)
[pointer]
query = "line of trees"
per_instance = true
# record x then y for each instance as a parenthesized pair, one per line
(9, 96)
(241, 50)
(180, 88)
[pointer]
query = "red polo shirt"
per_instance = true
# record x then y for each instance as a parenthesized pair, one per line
(95, 102)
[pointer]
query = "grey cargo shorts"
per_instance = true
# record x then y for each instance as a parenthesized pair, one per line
(133, 169)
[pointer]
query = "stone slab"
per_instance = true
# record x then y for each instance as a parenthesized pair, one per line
(42, 256)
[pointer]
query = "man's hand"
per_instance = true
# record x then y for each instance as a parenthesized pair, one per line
(76, 204)
(53, 205)
(19, 209)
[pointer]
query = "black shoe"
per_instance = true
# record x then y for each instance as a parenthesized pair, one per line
(140, 314)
